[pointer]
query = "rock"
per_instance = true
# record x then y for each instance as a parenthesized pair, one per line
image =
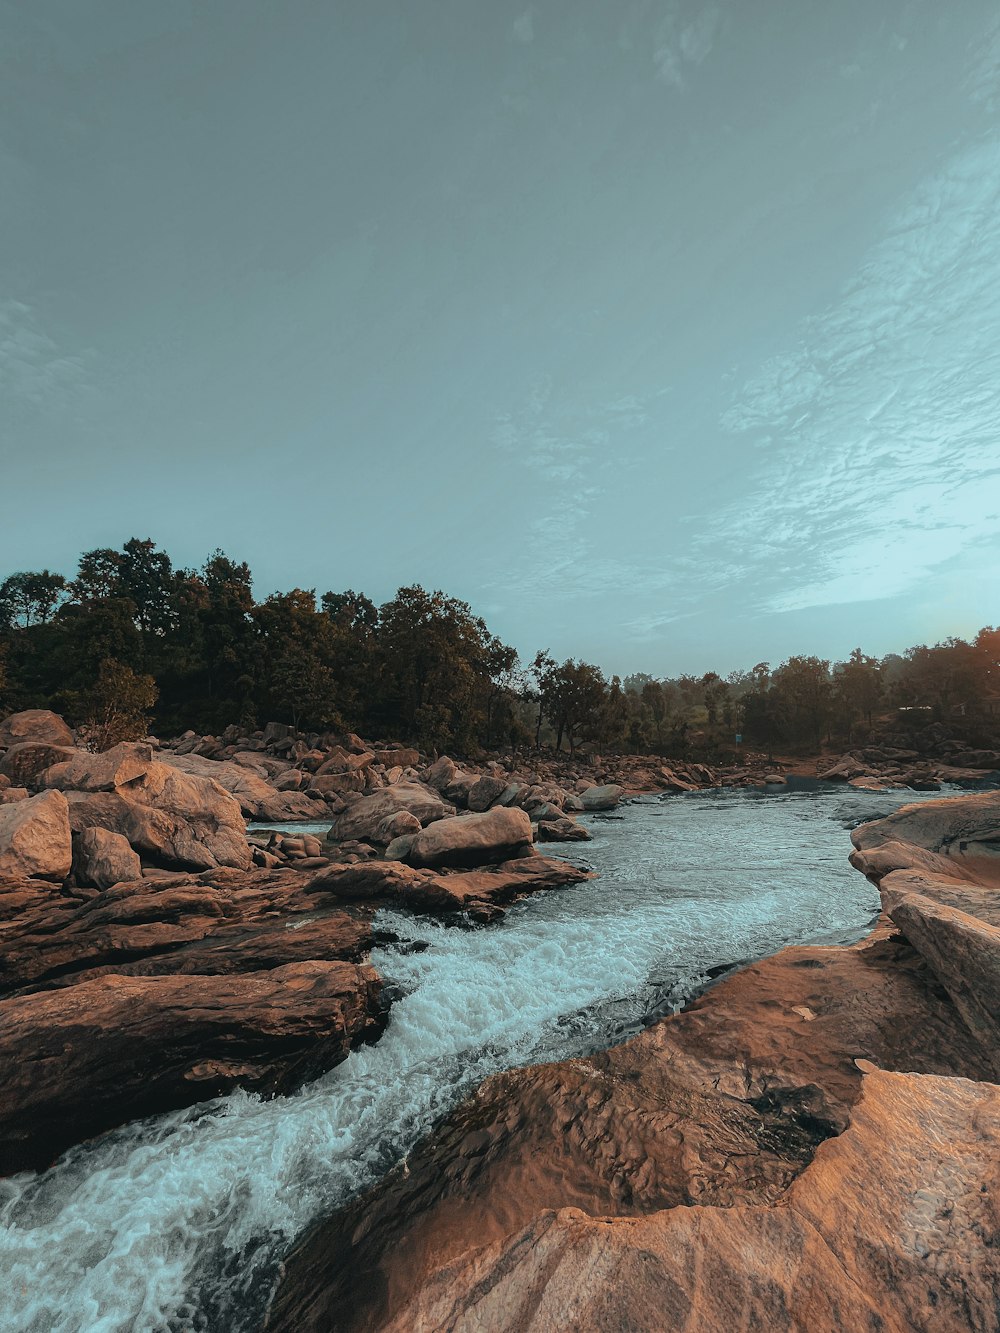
(964, 954)
(338, 783)
(8, 795)
(562, 830)
(23, 762)
(459, 788)
(423, 890)
(440, 773)
(960, 826)
(466, 840)
(102, 858)
(398, 756)
(118, 767)
(364, 817)
(849, 1248)
(35, 724)
(601, 798)
(35, 837)
(485, 792)
(172, 818)
(257, 798)
(80, 1060)
(721, 1106)
(397, 825)
(399, 848)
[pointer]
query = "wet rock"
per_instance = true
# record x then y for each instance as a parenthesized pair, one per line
(78, 1060)
(562, 830)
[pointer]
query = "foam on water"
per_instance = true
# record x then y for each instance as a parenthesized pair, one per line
(178, 1223)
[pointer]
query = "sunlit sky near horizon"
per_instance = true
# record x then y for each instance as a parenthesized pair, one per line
(666, 333)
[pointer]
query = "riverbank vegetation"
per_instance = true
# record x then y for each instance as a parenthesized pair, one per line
(130, 639)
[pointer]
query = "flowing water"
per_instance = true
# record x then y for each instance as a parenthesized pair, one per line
(178, 1223)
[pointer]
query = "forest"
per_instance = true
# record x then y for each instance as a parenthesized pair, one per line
(131, 642)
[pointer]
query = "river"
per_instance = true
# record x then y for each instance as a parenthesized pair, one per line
(178, 1223)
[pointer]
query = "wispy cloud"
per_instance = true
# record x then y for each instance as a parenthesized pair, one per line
(34, 370)
(684, 39)
(874, 442)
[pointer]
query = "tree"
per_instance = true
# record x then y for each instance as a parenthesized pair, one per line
(118, 706)
(30, 598)
(573, 697)
(800, 699)
(857, 689)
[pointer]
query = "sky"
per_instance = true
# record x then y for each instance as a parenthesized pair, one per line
(664, 332)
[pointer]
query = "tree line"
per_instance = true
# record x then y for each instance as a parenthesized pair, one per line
(131, 640)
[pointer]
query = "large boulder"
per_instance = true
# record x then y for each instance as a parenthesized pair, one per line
(960, 826)
(364, 817)
(24, 762)
(257, 798)
(485, 792)
(102, 858)
(601, 798)
(110, 770)
(171, 818)
(471, 840)
(35, 837)
(34, 724)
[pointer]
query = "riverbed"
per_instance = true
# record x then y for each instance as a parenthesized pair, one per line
(179, 1223)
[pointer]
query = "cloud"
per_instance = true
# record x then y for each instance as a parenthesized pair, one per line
(875, 440)
(684, 38)
(34, 371)
(524, 28)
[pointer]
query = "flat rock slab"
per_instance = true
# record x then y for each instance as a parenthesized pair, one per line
(83, 1059)
(722, 1105)
(889, 1229)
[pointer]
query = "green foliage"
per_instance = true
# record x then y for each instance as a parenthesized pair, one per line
(131, 632)
(118, 705)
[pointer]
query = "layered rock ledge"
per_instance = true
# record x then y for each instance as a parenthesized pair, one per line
(813, 1145)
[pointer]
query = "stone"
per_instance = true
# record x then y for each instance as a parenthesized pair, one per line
(464, 840)
(174, 819)
(102, 858)
(35, 838)
(562, 830)
(35, 724)
(23, 763)
(485, 792)
(958, 827)
(601, 798)
(106, 771)
(364, 817)
(889, 1228)
(441, 773)
(257, 798)
(398, 757)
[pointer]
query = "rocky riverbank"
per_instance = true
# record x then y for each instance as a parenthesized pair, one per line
(153, 953)
(813, 1144)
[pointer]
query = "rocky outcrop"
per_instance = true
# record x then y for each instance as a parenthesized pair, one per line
(34, 724)
(471, 840)
(908, 1248)
(365, 817)
(35, 837)
(966, 827)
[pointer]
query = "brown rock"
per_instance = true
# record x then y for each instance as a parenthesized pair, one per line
(81, 1060)
(465, 840)
(364, 817)
(35, 837)
(485, 792)
(34, 724)
(601, 798)
(23, 762)
(102, 858)
(915, 1176)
